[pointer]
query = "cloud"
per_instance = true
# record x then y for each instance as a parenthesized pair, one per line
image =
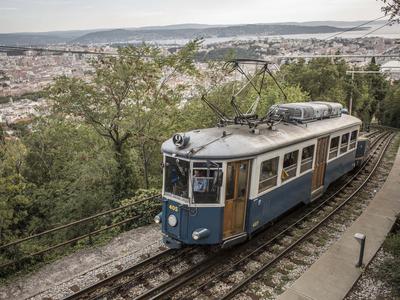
(8, 8)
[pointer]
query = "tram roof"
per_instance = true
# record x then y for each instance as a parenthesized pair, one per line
(240, 142)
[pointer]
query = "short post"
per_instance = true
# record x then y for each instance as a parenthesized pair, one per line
(361, 239)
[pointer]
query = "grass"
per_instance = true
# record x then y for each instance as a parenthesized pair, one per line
(303, 251)
(297, 261)
(322, 238)
(389, 270)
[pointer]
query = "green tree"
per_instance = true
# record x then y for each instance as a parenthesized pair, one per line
(14, 191)
(391, 8)
(14, 207)
(378, 86)
(321, 78)
(128, 97)
(72, 169)
(328, 80)
(2, 135)
(196, 114)
(391, 107)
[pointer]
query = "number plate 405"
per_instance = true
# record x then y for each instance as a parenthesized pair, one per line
(173, 208)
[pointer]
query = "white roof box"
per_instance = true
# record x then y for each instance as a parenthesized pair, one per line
(335, 108)
(306, 111)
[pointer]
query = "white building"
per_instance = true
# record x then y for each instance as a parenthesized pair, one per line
(393, 68)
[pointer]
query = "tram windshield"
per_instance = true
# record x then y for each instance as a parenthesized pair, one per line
(177, 177)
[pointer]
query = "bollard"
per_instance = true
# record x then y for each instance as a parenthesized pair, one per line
(361, 239)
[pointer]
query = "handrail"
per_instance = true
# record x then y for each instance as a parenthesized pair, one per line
(374, 125)
(76, 222)
(90, 234)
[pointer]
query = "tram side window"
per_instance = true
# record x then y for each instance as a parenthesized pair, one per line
(268, 174)
(289, 165)
(230, 182)
(344, 144)
(333, 150)
(307, 157)
(353, 139)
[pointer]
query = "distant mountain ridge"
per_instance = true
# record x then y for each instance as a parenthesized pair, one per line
(124, 35)
(178, 31)
(335, 23)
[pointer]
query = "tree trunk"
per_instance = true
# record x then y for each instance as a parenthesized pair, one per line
(124, 181)
(145, 167)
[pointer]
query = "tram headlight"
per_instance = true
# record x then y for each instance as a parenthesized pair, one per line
(172, 220)
(195, 235)
(157, 219)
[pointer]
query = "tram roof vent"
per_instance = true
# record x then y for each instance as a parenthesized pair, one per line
(302, 112)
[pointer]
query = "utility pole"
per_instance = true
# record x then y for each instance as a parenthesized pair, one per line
(352, 72)
(351, 93)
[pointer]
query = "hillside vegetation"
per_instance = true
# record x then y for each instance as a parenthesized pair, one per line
(101, 143)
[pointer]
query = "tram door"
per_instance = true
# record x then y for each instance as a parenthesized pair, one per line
(320, 166)
(236, 197)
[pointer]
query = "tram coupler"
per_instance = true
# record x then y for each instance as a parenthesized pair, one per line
(171, 243)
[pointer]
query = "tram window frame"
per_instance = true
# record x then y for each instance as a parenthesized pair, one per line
(344, 145)
(208, 188)
(307, 162)
(290, 171)
(353, 139)
(230, 181)
(177, 184)
(270, 180)
(334, 147)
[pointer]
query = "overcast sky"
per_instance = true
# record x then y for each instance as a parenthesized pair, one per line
(47, 15)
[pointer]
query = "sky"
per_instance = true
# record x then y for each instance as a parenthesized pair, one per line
(50, 15)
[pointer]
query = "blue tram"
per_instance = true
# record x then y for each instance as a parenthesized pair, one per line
(222, 184)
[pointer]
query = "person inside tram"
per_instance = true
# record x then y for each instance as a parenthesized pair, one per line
(200, 182)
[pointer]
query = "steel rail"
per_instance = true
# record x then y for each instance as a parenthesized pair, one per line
(370, 134)
(85, 292)
(373, 125)
(90, 289)
(166, 287)
(90, 234)
(181, 278)
(184, 277)
(252, 277)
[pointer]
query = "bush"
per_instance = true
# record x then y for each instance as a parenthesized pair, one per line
(392, 245)
(389, 271)
(147, 209)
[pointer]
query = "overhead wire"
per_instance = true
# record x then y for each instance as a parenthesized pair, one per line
(376, 29)
(354, 28)
(19, 48)
(61, 51)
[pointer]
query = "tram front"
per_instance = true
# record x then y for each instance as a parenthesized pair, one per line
(191, 201)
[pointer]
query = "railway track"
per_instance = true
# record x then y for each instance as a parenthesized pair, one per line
(319, 223)
(218, 274)
(288, 239)
(372, 133)
(200, 276)
(90, 291)
(132, 276)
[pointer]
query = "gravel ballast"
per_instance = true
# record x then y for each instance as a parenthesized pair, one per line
(86, 266)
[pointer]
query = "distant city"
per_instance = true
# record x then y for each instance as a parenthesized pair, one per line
(27, 72)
